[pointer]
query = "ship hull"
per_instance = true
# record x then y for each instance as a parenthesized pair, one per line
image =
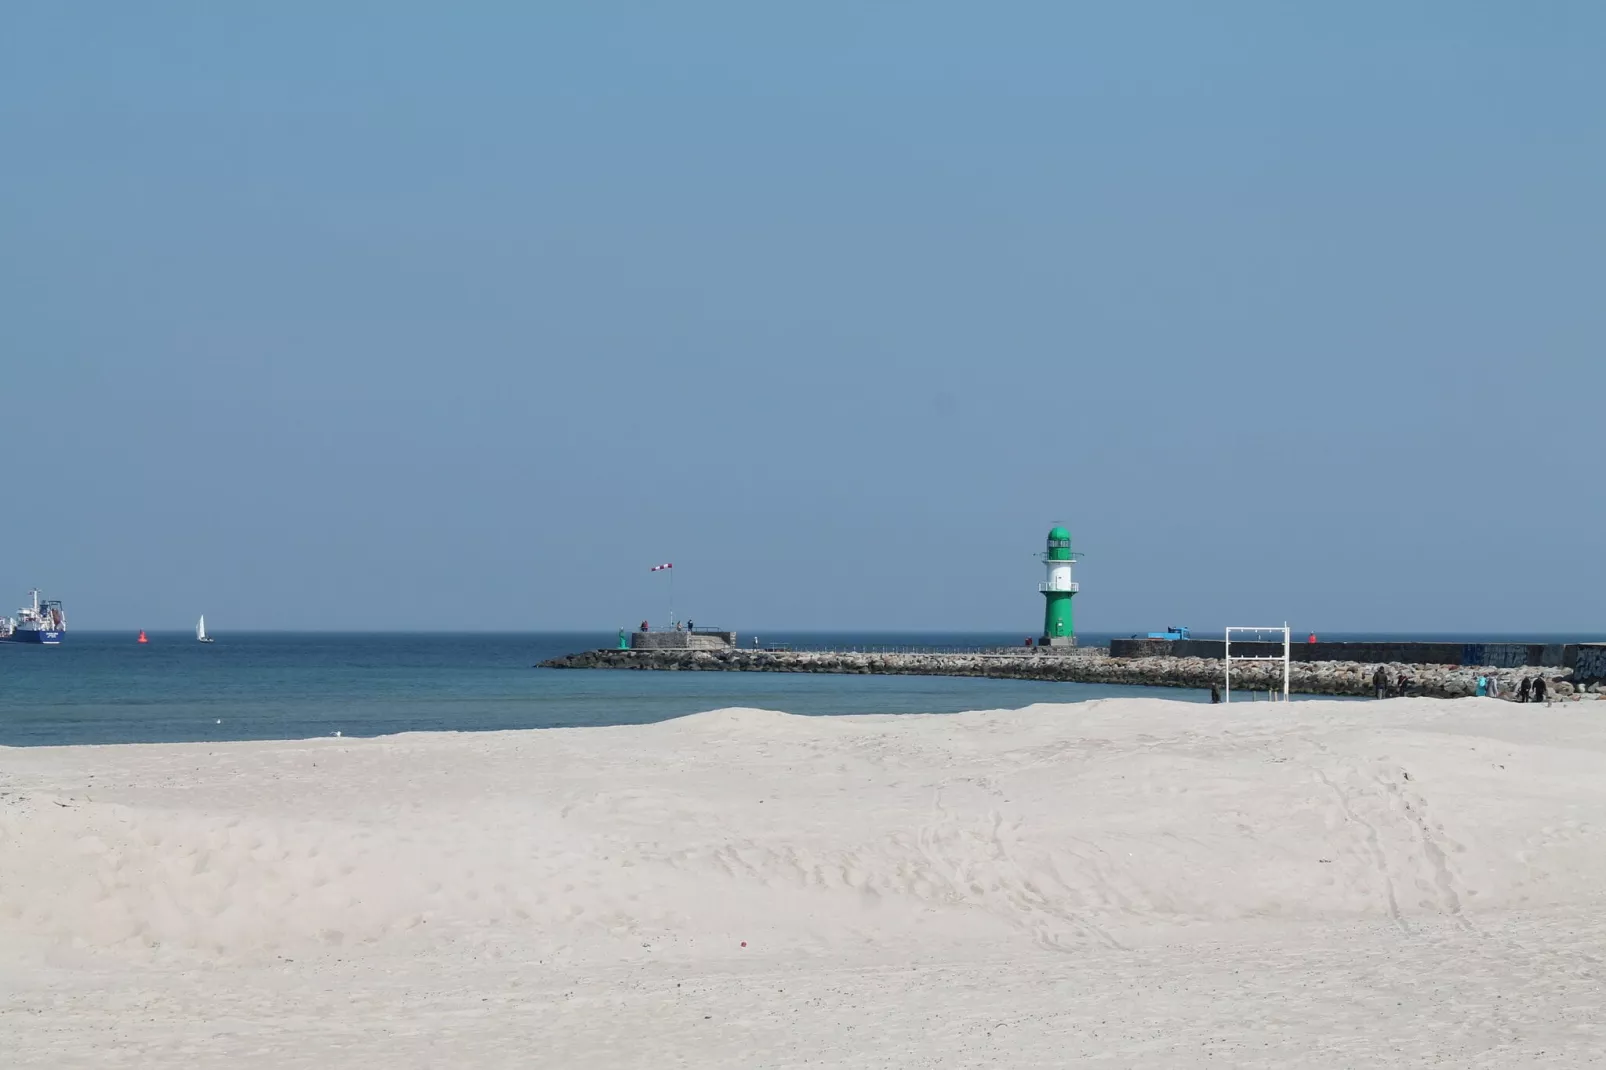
(30, 636)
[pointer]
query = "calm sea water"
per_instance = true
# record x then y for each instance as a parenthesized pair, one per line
(105, 688)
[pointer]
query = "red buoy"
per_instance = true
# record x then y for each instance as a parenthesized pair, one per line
(142, 636)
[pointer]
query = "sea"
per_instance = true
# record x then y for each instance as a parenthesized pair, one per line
(103, 687)
(106, 688)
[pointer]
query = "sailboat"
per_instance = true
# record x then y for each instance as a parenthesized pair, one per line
(200, 630)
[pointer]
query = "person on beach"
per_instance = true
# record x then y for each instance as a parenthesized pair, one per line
(1483, 687)
(1539, 689)
(1215, 694)
(1523, 689)
(1380, 683)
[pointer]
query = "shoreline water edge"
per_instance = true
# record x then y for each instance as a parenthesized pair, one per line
(1096, 666)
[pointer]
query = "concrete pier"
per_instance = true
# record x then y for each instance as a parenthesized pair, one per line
(1588, 658)
(1089, 665)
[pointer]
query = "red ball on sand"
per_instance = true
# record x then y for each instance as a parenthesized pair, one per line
(744, 943)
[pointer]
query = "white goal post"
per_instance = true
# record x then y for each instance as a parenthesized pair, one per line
(1228, 658)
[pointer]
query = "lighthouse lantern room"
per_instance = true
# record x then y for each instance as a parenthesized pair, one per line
(1059, 627)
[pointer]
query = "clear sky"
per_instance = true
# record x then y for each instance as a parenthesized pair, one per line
(454, 316)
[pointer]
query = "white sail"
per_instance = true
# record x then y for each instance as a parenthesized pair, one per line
(200, 628)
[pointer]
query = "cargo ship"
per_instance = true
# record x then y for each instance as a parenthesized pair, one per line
(41, 622)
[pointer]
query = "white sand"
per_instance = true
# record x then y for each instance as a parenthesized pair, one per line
(1117, 883)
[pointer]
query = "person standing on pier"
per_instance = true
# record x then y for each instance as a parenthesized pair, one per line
(1523, 689)
(1215, 694)
(1380, 683)
(1539, 689)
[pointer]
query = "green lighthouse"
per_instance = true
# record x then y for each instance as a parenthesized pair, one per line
(1059, 628)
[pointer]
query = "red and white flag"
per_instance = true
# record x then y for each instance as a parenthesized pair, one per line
(660, 568)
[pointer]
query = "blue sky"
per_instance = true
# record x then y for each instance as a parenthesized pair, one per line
(462, 316)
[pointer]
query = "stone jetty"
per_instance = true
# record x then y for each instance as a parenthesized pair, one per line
(1090, 665)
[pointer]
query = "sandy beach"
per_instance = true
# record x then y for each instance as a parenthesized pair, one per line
(1128, 882)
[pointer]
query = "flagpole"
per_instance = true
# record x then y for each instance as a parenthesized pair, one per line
(671, 571)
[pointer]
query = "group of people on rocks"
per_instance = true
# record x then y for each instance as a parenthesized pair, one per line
(1532, 689)
(1529, 688)
(1380, 684)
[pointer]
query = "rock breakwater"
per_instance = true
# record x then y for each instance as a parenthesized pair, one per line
(1089, 666)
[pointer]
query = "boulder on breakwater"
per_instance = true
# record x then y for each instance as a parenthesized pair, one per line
(1089, 666)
